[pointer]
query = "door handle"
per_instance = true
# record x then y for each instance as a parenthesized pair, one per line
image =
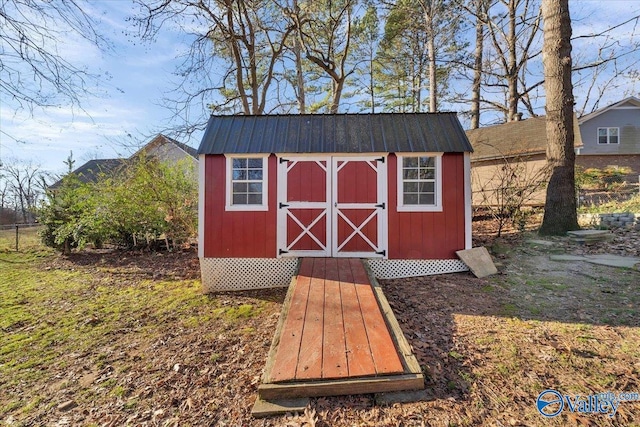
(335, 204)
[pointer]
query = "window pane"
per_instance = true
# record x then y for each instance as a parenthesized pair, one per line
(239, 163)
(427, 187)
(239, 187)
(613, 131)
(255, 163)
(602, 131)
(410, 162)
(613, 139)
(427, 174)
(255, 174)
(602, 139)
(427, 199)
(410, 174)
(239, 174)
(255, 187)
(410, 199)
(255, 199)
(427, 162)
(410, 187)
(239, 199)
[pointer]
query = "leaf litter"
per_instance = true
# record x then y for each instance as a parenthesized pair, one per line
(487, 347)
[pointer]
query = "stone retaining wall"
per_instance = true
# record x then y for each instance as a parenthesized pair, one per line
(610, 220)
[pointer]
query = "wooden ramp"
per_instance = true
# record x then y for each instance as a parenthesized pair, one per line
(337, 335)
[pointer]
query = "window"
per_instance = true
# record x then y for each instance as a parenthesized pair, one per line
(246, 183)
(608, 135)
(420, 182)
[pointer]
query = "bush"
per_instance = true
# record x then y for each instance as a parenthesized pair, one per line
(147, 199)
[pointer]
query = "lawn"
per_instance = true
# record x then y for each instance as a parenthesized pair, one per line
(28, 238)
(102, 338)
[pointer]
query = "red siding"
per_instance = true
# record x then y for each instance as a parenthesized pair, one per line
(429, 235)
(236, 234)
(411, 235)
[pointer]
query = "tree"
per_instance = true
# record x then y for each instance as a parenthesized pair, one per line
(560, 213)
(480, 16)
(34, 73)
(366, 35)
(234, 53)
(324, 29)
(25, 184)
(513, 28)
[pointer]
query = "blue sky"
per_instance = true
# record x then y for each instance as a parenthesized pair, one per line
(135, 76)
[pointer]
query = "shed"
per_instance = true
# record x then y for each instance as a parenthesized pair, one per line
(393, 189)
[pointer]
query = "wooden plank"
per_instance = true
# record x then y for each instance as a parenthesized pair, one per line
(383, 351)
(266, 408)
(310, 356)
(341, 387)
(359, 358)
(334, 351)
(290, 335)
(405, 351)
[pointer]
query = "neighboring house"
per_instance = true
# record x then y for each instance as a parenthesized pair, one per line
(390, 188)
(168, 149)
(511, 157)
(611, 137)
(161, 147)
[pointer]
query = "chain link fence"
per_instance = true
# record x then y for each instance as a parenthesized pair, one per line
(20, 237)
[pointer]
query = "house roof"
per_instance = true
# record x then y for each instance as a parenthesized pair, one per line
(631, 101)
(161, 139)
(335, 133)
(519, 138)
(91, 171)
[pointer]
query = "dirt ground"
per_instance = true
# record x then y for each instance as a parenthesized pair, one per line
(488, 347)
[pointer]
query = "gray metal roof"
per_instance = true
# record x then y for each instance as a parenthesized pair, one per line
(335, 133)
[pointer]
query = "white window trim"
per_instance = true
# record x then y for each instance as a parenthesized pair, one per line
(265, 183)
(401, 207)
(608, 135)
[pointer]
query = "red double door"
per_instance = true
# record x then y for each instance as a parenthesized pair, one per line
(332, 206)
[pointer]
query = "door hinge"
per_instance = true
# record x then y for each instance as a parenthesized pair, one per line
(283, 160)
(381, 205)
(381, 159)
(282, 251)
(382, 252)
(282, 205)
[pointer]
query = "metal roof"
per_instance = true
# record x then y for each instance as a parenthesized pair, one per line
(335, 133)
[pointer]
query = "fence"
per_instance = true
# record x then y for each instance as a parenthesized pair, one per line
(17, 237)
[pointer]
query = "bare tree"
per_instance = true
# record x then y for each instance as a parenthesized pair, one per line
(25, 183)
(34, 71)
(236, 47)
(560, 213)
(513, 28)
(324, 29)
(480, 16)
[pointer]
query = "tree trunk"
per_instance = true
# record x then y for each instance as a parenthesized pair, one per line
(560, 208)
(512, 71)
(431, 47)
(338, 86)
(477, 66)
(300, 94)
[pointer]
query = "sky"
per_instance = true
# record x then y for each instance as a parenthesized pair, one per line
(127, 110)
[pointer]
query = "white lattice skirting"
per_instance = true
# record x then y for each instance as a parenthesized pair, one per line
(401, 268)
(236, 274)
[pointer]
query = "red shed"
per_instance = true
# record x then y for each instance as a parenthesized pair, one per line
(391, 188)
